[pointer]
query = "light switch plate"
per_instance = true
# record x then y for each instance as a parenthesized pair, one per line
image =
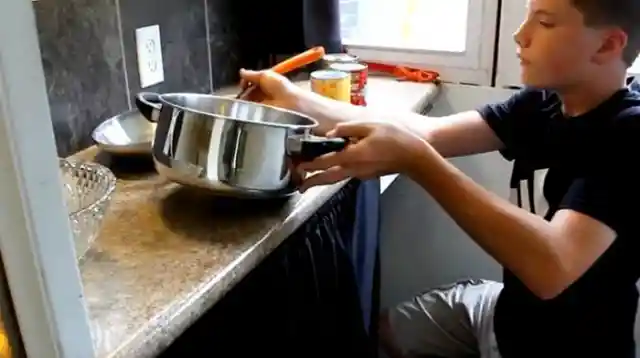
(149, 50)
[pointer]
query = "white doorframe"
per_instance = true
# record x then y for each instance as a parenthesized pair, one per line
(35, 236)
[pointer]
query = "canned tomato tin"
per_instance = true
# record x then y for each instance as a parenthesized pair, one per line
(331, 58)
(358, 72)
(332, 84)
(358, 99)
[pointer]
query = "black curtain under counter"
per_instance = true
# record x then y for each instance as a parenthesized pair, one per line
(305, 299)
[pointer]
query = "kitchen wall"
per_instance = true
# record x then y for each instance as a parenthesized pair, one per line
(421, 246)
(90, 62)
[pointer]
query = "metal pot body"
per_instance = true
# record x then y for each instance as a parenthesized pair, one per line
(225, 145)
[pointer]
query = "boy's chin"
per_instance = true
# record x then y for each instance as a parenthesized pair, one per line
(531, 81)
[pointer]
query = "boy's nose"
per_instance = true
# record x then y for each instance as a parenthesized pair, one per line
(520, 37)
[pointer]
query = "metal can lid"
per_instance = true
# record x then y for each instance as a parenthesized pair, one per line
(348, 67)
(328, 75)
(339, 57)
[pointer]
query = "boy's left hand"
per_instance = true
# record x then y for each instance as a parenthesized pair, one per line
(377, 149)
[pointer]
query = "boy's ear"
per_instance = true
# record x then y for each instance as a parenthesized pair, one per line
(614, 42)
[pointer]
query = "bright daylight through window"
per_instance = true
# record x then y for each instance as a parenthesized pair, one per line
(454, 37)
(406, 24)
(635, 68)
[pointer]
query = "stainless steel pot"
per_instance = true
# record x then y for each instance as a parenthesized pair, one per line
(230, 146)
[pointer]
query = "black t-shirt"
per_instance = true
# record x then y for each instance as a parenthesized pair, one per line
(592, 161)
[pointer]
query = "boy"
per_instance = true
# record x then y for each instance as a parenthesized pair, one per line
(569, 272)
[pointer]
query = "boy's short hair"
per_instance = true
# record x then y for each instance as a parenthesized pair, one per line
(622, 13)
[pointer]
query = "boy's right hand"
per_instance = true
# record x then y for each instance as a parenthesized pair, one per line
(274, 89)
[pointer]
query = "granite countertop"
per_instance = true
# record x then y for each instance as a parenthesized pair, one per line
(166, 253)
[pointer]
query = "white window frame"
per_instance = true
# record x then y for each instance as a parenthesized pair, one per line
(512, 14)
(473, 66)
(35, 234)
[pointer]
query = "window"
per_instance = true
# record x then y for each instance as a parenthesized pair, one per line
(454, 37)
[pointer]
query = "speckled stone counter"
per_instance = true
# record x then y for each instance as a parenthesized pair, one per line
(167, 253)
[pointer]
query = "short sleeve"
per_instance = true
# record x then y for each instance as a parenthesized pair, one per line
(609, 190)
(598, 198)
(513, 119)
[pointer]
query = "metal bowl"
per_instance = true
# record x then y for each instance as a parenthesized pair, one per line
(87, 189)
(128, 133)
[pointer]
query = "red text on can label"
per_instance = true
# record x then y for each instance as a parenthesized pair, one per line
(358, 73)
(358, 99)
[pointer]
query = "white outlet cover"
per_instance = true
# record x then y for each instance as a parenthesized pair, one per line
(149, 50)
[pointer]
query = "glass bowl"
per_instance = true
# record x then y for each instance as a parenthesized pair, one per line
(87, 191)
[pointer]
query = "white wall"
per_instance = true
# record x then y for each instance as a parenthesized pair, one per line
(421, 246)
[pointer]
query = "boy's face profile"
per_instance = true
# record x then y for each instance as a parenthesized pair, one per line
(558, 50)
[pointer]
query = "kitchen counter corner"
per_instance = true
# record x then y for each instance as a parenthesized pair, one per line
(166, 254)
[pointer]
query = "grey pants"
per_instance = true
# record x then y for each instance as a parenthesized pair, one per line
(449, 321)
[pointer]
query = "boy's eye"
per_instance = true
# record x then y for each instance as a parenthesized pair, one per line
(545, 24)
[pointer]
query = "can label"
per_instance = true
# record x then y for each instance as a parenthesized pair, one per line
(358, 99)
(332, 84)
(359, 77)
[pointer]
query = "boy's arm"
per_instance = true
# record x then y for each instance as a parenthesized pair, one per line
(459, 134)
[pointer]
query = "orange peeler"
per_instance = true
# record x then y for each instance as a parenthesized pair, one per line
(403, 73)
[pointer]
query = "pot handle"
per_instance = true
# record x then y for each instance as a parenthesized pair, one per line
(148, 103)
(310, 147)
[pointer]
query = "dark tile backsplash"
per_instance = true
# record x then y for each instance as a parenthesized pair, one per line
(82, 60)
(224, 40)
(90, 62)
(183, 33)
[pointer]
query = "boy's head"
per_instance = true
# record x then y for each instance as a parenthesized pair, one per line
(565, 42)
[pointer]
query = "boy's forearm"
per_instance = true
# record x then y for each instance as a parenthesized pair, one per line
(524, 243)
(455, 135)
(329, 112)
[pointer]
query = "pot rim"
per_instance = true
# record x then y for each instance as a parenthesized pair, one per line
(313, 123)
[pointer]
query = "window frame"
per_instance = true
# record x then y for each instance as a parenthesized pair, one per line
(512, 13)
(473, 66)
